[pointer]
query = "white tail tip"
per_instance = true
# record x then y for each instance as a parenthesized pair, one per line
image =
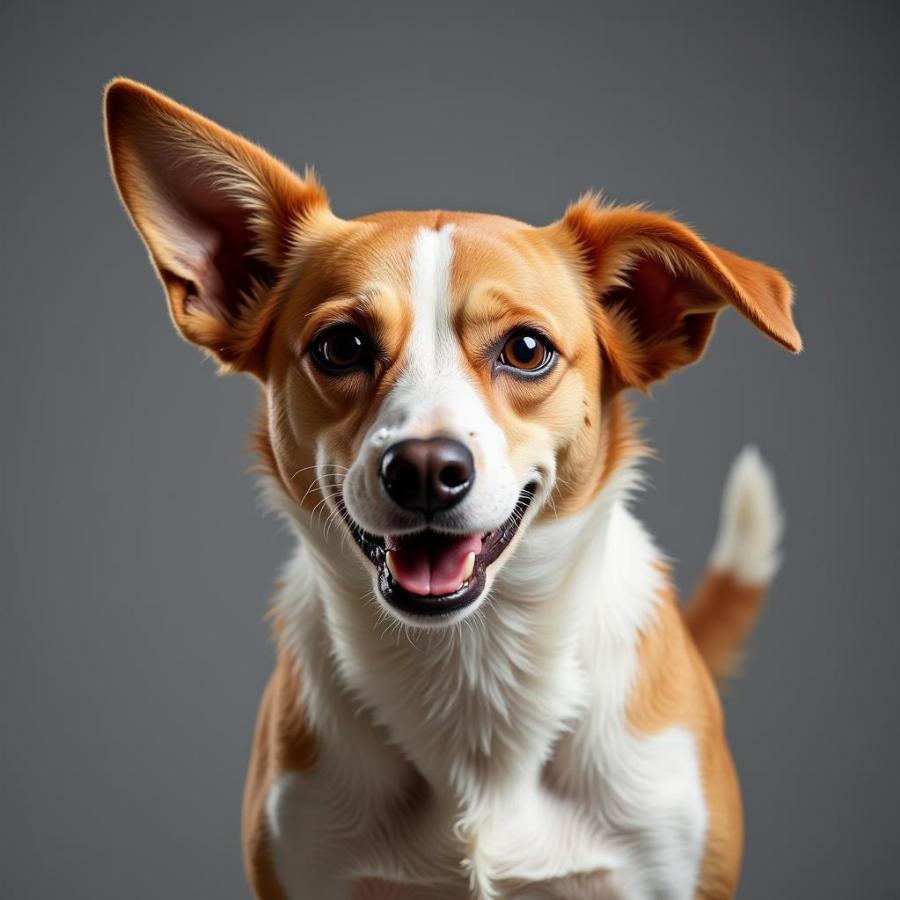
(751, 524)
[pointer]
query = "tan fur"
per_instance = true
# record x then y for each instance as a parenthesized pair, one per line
(645, 344)
(282, 743)
(719, 616)
(674, 688)
(149, 135)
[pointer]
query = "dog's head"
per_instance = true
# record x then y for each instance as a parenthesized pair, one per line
(435, 379)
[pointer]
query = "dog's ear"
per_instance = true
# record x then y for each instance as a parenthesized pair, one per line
(659, 288)
(217, 213)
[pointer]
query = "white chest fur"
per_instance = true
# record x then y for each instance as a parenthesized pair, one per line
(497, 759)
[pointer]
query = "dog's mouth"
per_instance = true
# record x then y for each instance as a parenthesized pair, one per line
(433, 573)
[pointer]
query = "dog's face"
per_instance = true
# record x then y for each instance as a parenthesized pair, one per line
(435, 381)
(434, 369)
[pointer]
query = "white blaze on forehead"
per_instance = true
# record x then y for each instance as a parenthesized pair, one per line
(436, 392)
(431, 341)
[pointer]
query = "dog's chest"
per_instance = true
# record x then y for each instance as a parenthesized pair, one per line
(497, 762)
(635, 829)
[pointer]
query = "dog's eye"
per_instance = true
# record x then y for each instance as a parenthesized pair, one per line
(528, 352)
(340, 349)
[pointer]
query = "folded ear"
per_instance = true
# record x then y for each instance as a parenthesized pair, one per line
(217, 213)
(659, 288)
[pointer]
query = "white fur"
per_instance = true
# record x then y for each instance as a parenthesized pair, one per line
(751, 523)
(431, 343)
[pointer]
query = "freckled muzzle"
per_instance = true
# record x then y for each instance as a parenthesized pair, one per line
(429, 573)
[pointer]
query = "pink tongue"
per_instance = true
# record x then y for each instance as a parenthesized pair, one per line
(432, 563)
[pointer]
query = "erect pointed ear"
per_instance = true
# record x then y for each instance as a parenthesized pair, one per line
(217, 213)
(659, 288)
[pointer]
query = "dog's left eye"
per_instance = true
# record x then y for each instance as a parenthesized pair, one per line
(341, 349)
(528, 352)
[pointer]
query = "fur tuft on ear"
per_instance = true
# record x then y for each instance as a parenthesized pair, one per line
(660, 287)
(218, 214)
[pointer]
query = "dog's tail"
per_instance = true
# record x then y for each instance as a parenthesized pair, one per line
(745, 557)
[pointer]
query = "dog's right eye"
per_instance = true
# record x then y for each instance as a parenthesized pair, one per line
(341, 349)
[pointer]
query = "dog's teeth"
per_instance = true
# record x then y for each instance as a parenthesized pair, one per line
(469, 567)
(389, 559)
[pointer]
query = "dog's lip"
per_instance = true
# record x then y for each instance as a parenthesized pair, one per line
(493, 543)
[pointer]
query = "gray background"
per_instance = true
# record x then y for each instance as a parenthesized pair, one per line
(136, 565)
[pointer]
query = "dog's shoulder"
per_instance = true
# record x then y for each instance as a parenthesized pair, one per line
(674, 689)
(283, 742)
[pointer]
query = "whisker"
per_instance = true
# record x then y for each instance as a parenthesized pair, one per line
(319, 483)
(316, 466)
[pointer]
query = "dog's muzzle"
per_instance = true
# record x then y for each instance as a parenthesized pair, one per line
(432, 573)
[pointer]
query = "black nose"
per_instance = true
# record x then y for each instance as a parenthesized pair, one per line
(427, 475)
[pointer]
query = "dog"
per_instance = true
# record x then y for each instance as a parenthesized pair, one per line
(485, 686)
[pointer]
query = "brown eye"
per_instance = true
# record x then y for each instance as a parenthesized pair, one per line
(340, 349)
(528, 352)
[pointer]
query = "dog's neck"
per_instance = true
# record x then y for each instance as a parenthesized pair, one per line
(476, 707)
